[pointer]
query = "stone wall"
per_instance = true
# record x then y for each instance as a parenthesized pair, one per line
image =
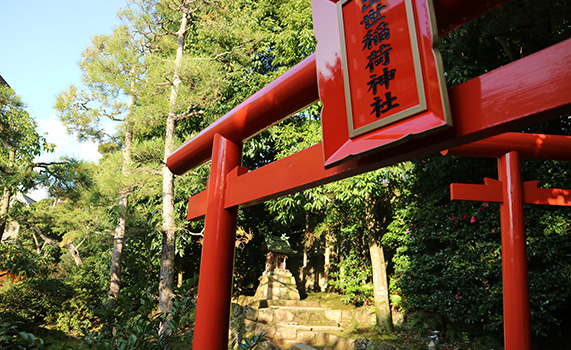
(277, 285)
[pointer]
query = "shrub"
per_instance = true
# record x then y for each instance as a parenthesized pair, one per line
(353, 279)
(17, 260)
(37, 299)
(15, 334)
(90, 288)
(136, 326)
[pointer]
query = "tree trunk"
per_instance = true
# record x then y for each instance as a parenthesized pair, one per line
(327, 263)
(71, 248)
(37, 243)
(166, 282)
(180, 279)
(119, 236)
(118, 242)
(74, 253)
(6, 196)
(380, 284)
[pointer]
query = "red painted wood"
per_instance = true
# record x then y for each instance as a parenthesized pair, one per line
(292, 92)
(509, 97)
(421, 111)
(545, 196)
(196, 206)
(197, 203)
(530, 146)
(491, 191)
(487, 113)
(526, 91)
(217, 261)
(512, 194)
(517, 335)
(289, 93)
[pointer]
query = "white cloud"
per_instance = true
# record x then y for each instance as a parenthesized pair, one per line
(38, 194)
(66, 145)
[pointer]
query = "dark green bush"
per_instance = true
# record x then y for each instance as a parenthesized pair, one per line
(90, 285)
(134, 324)
(21, 261)
(37, 299)
(14, 334)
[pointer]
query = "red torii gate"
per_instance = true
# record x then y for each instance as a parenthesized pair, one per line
(482, 107)
(512, 193)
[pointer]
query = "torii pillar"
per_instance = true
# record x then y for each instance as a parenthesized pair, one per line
(512, 193)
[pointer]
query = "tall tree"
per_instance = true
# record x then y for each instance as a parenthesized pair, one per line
(166, 282)
(196, 49)
(21, 143)
(111, 69)
(362, 210)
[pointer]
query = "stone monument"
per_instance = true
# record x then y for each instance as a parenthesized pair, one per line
(277, 282)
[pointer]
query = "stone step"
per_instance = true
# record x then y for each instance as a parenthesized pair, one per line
(312, 315)
(338, 343)
(306, 322)
(321, 337)
(304, 327)
(316, 336)
(300, 346)
(264, 303)
(290, 331)
(296, 303)
(301, 308)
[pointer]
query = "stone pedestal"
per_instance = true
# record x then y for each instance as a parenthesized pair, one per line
(277, 285)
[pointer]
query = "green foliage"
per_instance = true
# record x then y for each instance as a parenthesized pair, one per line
(18, 260)
(12, 335)
(548, 246)
(248, 343)
(18, 128)
(512, 31)
(37, 299)
(111, 69)
(20, 142)
(136, 324)
(68, 301)
(249, 260)
(448, 254)
(67, 179)
(448, 258)
(63, 224)
(81, 310)
(353, 279)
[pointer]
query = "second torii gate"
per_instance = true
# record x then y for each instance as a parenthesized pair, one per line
(512, 193)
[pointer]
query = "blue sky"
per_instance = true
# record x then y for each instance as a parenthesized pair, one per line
(40, 47)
